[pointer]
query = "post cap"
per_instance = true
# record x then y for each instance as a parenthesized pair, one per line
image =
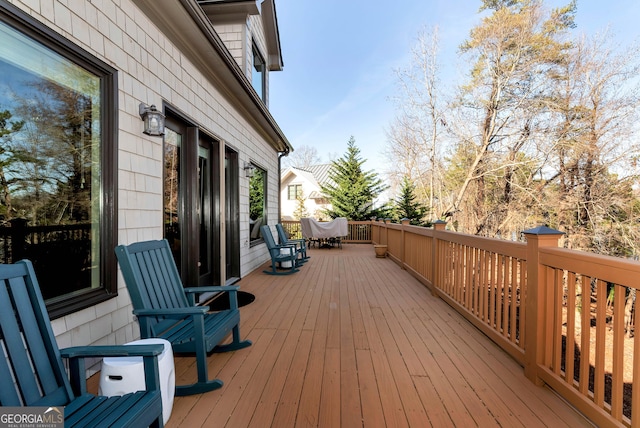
(543, 230)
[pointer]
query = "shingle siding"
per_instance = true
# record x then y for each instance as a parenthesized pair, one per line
(151, 70)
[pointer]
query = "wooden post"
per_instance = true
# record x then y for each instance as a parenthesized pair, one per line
(375, 232)
(536, 340)
(387, 221)
(403, 243)
(435, 257)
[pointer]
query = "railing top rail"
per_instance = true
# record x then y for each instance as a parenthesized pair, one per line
(607, 268)
(499, 246)
(419, 230)
(393, 225)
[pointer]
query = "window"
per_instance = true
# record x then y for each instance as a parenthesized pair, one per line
(294, 191)
(57, 163)
(258, 76)
(257, 202)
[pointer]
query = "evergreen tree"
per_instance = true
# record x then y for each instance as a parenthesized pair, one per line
(353, 190)
(256, 195)
(407, 206)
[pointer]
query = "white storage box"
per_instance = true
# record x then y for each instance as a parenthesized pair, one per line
(285, 252)
(123, 375)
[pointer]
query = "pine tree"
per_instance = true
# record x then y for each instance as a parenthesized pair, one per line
(353, 190)
(407, 206)
(256, 195)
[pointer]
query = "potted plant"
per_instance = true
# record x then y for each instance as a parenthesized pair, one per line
(381, 250)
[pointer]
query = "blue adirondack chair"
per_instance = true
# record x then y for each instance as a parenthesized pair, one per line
(167, 310)
(280, 253)
(34, 362)
(301, 244)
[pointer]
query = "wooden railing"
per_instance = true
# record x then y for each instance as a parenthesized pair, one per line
(359, 231)
(52, 249)
(535, 300)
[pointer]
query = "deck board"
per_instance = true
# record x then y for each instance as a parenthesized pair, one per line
(355, 341)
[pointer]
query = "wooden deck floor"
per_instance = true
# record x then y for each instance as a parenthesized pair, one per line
(352, 341)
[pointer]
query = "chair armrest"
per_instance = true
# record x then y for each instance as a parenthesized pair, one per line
(211, 288)
(172, 312)
(112, 351)
(190, 292)
(293, 248)
(77, 368)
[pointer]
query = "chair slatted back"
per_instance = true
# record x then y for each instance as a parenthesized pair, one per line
(282, 234)
(152, 278)
(32, 372)
(274, 250)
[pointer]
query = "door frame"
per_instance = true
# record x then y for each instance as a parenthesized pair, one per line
(232, 215)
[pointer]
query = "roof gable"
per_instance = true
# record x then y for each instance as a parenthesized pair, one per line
(187, 25)
(317, 175)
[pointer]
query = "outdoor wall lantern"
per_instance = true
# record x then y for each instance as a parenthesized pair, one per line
(249, 169)
(153, 120)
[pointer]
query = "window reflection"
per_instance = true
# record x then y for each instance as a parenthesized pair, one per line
(172, 146)
(257, 202)
(50, 165)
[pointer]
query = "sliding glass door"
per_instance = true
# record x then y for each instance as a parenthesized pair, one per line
(192, 202)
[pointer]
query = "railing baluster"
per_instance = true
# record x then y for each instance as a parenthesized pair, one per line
(585, 343)
(570, 338)
(601, 325)
(618, 357)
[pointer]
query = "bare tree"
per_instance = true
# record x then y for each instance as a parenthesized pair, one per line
(413, 137)
(7, 159)
(510, 51)
(595, 107)
(302, 157)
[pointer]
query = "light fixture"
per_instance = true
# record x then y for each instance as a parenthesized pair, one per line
(249, 169)
(153, 120)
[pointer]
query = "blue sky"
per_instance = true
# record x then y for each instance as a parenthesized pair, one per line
(340, 56)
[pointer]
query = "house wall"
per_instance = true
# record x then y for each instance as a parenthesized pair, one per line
(288, 207)
(150, 70)
(233, 34)
(238, 34)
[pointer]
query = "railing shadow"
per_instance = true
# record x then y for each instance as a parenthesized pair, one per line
(608, 378)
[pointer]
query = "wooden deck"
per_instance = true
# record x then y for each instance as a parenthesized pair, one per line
(351, 341)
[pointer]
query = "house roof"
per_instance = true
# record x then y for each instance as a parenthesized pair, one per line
(267, 10)
(321, 173)
(316, 195)
(187, 25)
(317, 175)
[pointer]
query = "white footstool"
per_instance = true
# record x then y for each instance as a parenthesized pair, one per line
(122, 375)
(286, 263)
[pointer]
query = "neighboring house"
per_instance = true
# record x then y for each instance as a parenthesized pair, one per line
(77, 174)
(304, 184)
